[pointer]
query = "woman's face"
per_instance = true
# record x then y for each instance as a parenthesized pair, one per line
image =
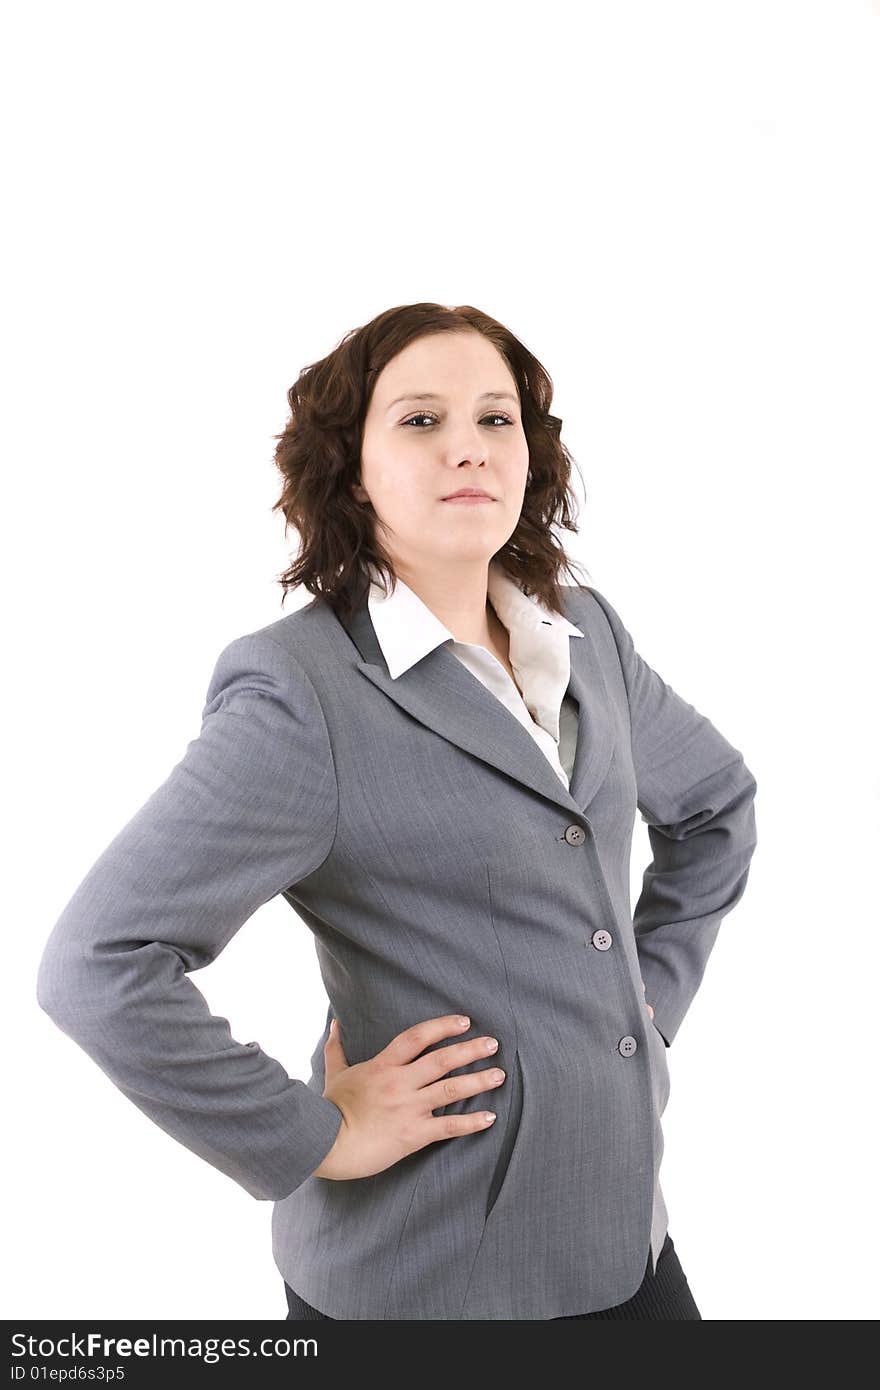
(467, 432)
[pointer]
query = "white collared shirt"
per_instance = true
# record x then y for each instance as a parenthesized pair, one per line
(407, 630)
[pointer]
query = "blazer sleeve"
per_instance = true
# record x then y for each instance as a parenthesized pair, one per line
(697, 796)
(249, 810)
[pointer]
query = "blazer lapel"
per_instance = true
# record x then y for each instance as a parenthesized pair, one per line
(448, 698)
(596, 723)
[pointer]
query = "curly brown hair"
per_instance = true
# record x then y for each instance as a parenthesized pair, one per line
(319, 457)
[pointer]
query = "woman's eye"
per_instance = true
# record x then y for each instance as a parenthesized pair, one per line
(425, 415)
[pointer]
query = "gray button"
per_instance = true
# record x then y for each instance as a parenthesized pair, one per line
(601, 939)
(575, 835)
(627, 1045)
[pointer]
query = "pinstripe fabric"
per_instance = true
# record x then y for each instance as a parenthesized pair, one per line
(664, 1295)
(441, 865)
(407, 630)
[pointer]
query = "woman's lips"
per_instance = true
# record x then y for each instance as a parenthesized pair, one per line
(468, 499)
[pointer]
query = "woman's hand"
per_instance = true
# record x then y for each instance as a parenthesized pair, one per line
(647, 1005)
(386, 1102)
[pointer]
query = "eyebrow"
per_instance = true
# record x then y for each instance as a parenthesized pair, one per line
(431, 396)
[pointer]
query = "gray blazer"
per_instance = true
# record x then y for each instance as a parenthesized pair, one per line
(458, 875)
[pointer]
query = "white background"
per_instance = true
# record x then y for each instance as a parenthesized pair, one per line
(675, 207)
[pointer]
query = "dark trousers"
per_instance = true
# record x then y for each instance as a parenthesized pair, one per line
(663, 1296)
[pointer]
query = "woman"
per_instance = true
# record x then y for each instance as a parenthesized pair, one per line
(441, 776)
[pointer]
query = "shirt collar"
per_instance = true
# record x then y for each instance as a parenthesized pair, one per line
(407, 629)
